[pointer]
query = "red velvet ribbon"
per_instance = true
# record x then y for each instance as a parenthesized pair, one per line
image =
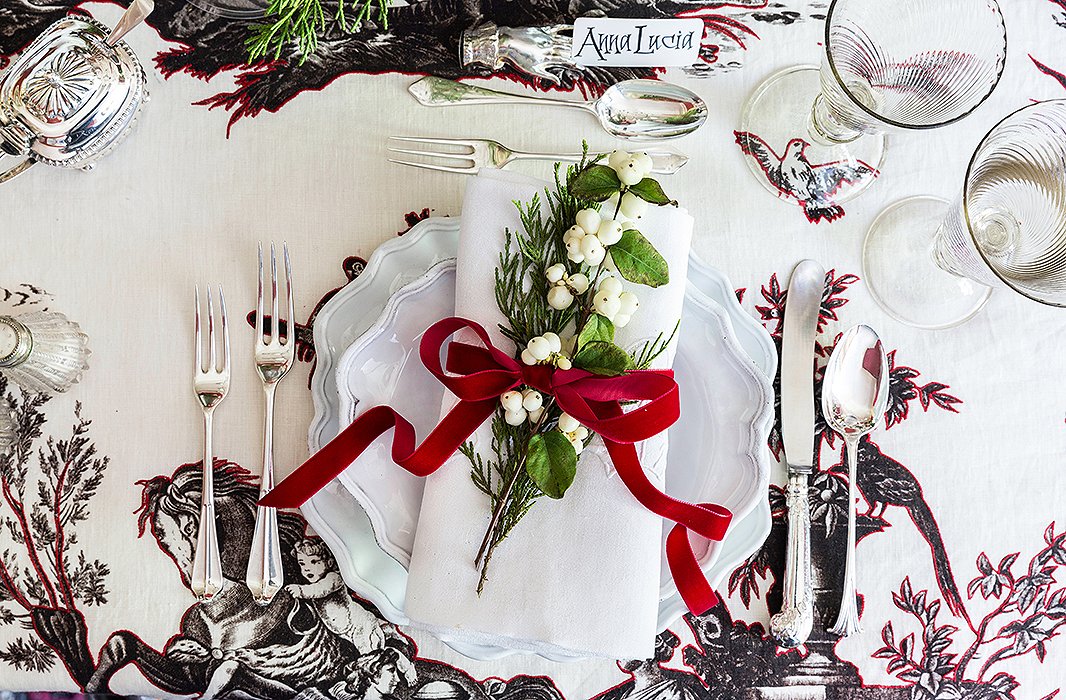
(477, 376)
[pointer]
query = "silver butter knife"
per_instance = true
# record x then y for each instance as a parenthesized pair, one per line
(791, 627)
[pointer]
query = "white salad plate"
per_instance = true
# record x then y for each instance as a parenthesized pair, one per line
(720, 452)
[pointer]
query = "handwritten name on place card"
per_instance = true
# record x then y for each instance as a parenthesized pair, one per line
(636, 42)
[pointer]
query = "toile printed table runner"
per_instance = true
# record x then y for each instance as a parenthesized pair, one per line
(963, 549)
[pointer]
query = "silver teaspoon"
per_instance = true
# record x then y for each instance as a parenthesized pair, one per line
(631, 109)
(854, 398)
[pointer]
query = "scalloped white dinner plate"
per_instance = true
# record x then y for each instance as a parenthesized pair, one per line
(350, 532)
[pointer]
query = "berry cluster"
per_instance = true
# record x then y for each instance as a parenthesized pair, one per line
(574, 431)
(564, 287)
(612, 303)
(546, 349)
(520, 406)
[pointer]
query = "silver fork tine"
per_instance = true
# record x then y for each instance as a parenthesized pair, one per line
(431, 154)
(199, 338)
(212, 364)
(290, 332)
(274, 321)
(441, 168)
(259, 300)
(458, 142)
(225, 330)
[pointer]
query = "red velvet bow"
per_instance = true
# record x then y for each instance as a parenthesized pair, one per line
(477, 376)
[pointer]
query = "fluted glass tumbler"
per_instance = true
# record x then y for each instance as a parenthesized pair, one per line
(817, 135)
(933, 264)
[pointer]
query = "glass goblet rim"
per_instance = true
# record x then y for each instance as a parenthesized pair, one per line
(1001, 66)
(1060, 102)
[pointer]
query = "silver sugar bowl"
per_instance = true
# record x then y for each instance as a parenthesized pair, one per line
(71, 96)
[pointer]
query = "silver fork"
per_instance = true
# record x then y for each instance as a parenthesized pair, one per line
(211, 385)
(484, 153)
(273, 359)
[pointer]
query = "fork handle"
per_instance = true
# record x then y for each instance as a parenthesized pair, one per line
(662, 162)
(264, 575)
(207, 578)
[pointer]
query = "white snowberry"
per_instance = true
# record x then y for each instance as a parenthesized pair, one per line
(621, 320)
(579, 283)
(527, 358)
(628, 303)
(608, 306)
(511, 400)
(554, 341)
(577, 445)
(574, 231)
(567, 423)
(559, 298)
(563, 362)
(532, 400)
(515, 417)
(534, 416)
(630, 174)
(573, 250)
(588, 220)
(555, 273)
(643, 162)
(593, 250)
(633, 207)
(611, 286)
(539, 348)
(581, 432)
(610, 231)
(617, 159)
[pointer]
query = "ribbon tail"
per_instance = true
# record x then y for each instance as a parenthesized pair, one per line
(328, 463)
(706, 520)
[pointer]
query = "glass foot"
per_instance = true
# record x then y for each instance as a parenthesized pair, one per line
(233, 9)
(897, 263)
(786, 159)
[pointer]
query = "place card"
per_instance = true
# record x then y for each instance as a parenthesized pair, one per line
(609, 41)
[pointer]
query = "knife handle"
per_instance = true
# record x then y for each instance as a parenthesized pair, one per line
(791, 627)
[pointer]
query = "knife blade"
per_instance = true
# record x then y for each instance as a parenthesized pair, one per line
(791, 627)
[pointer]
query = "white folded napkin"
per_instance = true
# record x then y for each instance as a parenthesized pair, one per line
(578, 576)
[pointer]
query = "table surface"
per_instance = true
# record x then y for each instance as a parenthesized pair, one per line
(964, 500)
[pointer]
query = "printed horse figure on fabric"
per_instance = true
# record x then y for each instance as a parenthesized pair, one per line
(314, 640)
(195, 661)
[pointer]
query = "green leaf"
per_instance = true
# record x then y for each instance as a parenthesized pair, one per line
(596, 328)
(651, 191)
(596, 182)
(551, 463)
(603, 357)
(638, 261)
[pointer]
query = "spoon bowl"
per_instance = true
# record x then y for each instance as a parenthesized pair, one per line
(641, 109)
(855, 389)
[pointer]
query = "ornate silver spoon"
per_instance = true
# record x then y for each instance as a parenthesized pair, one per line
(854, 398)
(631, 109)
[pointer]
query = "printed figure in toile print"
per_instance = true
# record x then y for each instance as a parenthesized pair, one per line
(314, 640)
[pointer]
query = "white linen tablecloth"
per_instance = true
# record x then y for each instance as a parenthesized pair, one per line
(969, 472)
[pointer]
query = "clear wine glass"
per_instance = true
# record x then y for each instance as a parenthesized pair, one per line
(933, 264)
(817, 135)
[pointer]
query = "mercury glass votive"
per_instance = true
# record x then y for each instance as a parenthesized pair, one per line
(42, 351)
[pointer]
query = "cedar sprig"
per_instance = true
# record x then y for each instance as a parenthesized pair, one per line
(302, 21)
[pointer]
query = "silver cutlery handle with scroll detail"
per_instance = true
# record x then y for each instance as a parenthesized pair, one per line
(791, 627)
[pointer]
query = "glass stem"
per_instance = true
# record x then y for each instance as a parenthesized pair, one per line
(825, 127)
